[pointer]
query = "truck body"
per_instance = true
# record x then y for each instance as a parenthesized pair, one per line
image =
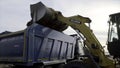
(36, 44)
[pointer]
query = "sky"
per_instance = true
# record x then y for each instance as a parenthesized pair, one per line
(14, 14)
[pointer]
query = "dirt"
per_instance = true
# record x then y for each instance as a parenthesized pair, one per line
(4, 66)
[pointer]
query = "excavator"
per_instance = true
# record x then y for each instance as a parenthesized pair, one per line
(113, 41)
(54, 19)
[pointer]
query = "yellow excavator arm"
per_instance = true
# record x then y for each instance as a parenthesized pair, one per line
(41, 13)
(95, 48)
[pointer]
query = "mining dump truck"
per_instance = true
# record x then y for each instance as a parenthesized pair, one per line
(43, 43)
(36, 44)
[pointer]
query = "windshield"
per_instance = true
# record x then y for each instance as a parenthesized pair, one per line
(113, 32)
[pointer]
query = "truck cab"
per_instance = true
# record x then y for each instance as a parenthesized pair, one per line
(114, 35)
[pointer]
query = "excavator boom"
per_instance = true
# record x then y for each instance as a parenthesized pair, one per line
(47, 15)
(78, 23)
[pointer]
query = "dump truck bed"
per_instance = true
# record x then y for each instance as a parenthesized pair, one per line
(36, 44)
(11, 46)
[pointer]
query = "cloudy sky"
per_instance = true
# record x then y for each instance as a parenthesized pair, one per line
(14, 14)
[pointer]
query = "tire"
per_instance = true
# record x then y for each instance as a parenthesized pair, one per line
(38, 66)
(58, 66)
(19, 66)
(75, 64)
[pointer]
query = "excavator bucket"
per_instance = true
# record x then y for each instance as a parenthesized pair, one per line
(45, 16)
(40, 12)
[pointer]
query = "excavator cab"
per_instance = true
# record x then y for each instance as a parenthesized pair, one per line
(114, 35)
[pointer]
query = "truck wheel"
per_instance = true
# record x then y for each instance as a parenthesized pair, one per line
(75, 64)
(58, 66)
(18, 66)
(38, 66)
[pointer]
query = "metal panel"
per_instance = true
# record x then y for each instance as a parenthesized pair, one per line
(49, 44)
(48, 48)
(11, 47)
(69, 51)
(55, 50)
(38, 44)
(63, 50)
